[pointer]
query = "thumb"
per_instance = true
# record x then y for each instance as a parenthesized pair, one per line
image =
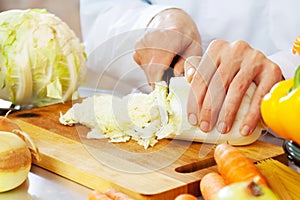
(155, 72)
(156, 68)
(190, 67)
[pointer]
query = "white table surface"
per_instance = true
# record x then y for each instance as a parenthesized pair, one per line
(45, 185)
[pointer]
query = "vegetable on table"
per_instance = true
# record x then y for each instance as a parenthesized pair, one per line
(280, 107)
(234, 166)
(42, 61)
(246, 191)
(238, 178)
(15, 155)
(8, 125)
(211, 184)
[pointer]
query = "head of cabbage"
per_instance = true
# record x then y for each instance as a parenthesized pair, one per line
(41, 60)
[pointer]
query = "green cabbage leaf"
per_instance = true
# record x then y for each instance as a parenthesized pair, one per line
(41, 60)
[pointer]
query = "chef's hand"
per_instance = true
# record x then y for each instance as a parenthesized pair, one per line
(171, 36)
(220, 80)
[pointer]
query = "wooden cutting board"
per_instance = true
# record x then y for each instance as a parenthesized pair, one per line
(169, 168)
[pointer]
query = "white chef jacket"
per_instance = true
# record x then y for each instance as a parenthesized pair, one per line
(110, 29)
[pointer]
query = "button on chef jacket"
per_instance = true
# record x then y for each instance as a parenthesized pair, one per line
(110, 29)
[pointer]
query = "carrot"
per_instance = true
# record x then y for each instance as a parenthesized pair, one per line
(116, 195)
(211, 184)
(234, 166)
(97, 195)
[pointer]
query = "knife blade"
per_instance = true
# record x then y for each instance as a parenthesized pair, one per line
(6, 106)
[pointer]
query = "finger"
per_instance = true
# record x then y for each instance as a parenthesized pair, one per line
(230, 60)
(273, 74)
(155, 70)
(199, 85)
(248, 68)
(179, 67)
(200, 81)
(214, 98)
(216, 93)
(136, 58)
(253, 115)
(190, 66)
(154, 63)
(194, 49)
(233, 99)
(214, 107)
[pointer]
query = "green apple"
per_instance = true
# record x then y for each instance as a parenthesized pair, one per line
(246, 191)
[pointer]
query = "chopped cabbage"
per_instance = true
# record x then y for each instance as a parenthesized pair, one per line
(137, 116)
(147, 118)
(41, 59)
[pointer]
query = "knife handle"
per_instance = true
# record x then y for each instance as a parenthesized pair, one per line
(169, 73)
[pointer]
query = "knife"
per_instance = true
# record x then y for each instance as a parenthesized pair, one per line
(169, 73)
(6, 106)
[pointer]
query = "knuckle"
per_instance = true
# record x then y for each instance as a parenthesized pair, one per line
(239, 47)
(258, 55)
(217, 44)
(229, 116)
(240, 44)
(206, 112)
(192, 61)
(256, 60)
(199, 79)
(275, 71)
(136, 58)
(229, 110)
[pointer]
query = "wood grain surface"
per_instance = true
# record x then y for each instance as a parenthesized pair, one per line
(169, 168)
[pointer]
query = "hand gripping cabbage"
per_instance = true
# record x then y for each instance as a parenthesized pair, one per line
(147, 118)
(177, 97)
(41, 59)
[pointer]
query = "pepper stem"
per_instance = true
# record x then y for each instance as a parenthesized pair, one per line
(297, 78)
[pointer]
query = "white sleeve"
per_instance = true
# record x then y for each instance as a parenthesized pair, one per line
(102, 19)
(287, 61)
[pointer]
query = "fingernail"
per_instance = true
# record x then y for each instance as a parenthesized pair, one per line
(204, 126)
(222, 127)
(245, 130)
(193, 119)
(190, 72)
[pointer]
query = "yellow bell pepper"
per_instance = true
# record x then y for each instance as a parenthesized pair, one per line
(280, 108)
